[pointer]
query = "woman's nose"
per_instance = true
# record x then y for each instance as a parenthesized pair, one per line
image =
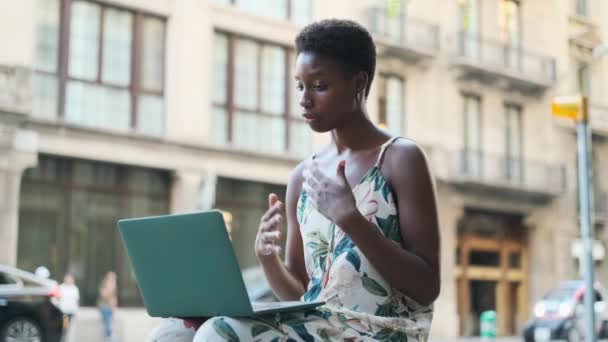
(305, 101)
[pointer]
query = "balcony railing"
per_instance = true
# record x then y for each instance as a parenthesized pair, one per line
(600, 205)
(15, 90)
(498, 173)
(402, 35)
(492, 60)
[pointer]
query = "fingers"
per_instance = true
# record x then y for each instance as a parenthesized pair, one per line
(272, 237)
(311, 180)
(269, 249)
(276, 208)
(316, 173)
(272, 199)
(341, 168)
(341, 172)
(268, 242)
(271, 224)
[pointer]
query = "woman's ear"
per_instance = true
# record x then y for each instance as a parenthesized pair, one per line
(361, 80)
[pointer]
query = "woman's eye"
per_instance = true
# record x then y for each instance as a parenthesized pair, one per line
(319, 87)
(299, 87)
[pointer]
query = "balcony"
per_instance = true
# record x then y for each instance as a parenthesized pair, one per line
(598, 119)
(401, 36)
(499, 176)
(500, 64)
(600, 206)
(15, 90)
(583, 33)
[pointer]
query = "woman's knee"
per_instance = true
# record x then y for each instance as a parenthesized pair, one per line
(205, 331)
(172, 329)
(210, 330)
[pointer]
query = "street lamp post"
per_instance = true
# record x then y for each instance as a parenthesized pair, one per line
(582, 133)
(576, 107)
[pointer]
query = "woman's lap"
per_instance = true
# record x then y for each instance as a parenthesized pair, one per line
(296, 326)
(293, 326)
(172, 329)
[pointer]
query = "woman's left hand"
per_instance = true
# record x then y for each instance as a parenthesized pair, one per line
(332, 197)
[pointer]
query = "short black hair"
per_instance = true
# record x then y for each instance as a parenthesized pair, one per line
(344, 41)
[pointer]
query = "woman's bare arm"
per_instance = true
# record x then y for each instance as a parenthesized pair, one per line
(414, 267)
(288, 280)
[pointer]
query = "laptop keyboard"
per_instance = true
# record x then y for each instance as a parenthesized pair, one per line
(258, 306)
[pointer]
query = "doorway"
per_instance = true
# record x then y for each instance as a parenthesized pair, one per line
(491, 275)
(483, 298)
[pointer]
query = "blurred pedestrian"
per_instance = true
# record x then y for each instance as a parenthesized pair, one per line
(42, 272)
(70, 298)
(107, 302)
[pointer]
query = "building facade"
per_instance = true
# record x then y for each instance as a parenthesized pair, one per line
(122, 108)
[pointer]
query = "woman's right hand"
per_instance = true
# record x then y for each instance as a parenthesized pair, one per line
(269, 233)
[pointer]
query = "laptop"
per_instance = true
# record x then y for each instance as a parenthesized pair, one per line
(185, 266)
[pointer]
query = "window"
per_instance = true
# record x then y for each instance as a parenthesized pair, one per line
(67, 219)
(390, 21)
(514, 143)
(469, 15)
(7, 279)
(297, 11)
(391, 103)
(472, 155)
(509, 21)
(46, 59)
(244, 201)
(581, 7)
(102, 67)
(514, 260)
(583, 78)
(470, 21)
(484, 258)
(252, 87)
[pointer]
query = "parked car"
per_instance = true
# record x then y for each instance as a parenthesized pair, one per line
(29, 308)
(559, 314)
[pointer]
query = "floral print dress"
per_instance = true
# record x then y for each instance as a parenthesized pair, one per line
(360, 304)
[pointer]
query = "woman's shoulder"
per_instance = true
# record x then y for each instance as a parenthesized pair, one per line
(297, 172)
(405, 147)
(404, 153)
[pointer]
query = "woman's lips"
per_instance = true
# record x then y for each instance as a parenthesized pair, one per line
(309, 117)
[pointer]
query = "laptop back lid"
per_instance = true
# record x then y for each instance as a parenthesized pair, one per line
(185, 265)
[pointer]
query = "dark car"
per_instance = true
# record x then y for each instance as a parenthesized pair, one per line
(559, 314)
(28, 307)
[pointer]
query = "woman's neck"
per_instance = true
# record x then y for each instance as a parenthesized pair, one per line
(357, 134)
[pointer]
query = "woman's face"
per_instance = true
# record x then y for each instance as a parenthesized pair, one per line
(327, 96)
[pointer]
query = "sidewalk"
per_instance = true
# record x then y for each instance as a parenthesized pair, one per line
(130, 324)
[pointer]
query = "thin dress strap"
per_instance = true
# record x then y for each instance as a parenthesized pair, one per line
(384, 147)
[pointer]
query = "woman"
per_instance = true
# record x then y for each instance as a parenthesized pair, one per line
(107, 302)
(362, 231)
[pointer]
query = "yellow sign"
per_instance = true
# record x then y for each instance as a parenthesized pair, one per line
(570, 107)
